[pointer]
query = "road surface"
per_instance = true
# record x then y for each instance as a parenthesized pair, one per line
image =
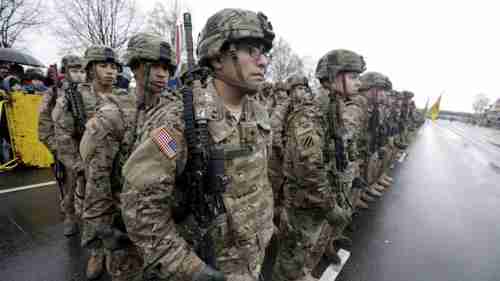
(438, 222)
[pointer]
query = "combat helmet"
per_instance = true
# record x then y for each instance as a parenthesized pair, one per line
(99, 53)
(337, 61)
(377, 80)
(70, 61)
(151, 48)
(407, 95)
(296, 80)
(231, 25)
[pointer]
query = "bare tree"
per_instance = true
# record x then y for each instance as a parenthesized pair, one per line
(309, 70)
(17, 17)
(284, 61)
(480, 104)
(87, 22)
(163, 18)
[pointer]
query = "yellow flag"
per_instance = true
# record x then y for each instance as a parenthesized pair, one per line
(435, 109)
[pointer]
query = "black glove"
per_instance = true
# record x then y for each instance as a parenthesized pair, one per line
(209, 274)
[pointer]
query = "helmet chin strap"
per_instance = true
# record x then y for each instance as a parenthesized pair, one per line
(344, 87)
(241, 84)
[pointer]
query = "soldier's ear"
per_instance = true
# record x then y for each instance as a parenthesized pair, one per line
(216, 63)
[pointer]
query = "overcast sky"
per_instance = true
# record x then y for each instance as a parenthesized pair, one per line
(424, 46)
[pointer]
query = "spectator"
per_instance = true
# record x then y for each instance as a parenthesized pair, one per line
(33, 81)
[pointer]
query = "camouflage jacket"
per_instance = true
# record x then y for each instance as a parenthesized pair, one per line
(67, 141)
(105, 146)
(307, 184)
(242, 234)
(46, 132)
(278, 120)
(361, 109)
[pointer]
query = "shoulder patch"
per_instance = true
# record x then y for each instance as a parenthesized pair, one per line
(165, 141)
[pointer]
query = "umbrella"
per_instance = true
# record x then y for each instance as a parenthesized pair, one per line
(11, 55)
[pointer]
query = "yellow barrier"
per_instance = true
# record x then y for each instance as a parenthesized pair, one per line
(22, 119)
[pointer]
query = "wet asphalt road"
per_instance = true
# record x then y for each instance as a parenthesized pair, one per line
(32, 247)
(438, 222)
(440, 219)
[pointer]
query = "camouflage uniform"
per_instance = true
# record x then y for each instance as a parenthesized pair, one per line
(46, 132)
(377, 132)
(105, 146)
(339, 148)
(405, 116)
(309, 201)
(333, 111)
(65, 129)
(69, 137)
(149, 201)
(278, 116)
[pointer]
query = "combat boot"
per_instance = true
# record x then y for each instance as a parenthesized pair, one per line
(367, 198)
(343, 242)
(70, 226)
(383, 182)
(373, 192)
(308, 277)
(387, 178)
(95, 265)
(360, 204)
(331, 255)
(379, 188)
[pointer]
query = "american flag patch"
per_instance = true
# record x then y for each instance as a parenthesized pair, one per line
(167, 144)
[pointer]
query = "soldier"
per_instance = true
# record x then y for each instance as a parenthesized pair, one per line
(233, 44)
(373, 86)
(338, 72)
(264, 94)
(405, 113)
(107, 143)
(309, 206)
(78, 104)
(71, 67)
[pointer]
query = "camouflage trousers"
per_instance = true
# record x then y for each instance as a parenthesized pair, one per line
(68, 201)
(345, 190)
(373, 168)
(302, 245)
(124, 264)
(79, 196)
(403, 136)
(389, 155)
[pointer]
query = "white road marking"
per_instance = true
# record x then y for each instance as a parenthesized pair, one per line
(333, 270)
(26, 187)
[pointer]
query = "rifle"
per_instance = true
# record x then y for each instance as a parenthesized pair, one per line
(77, 108)
(58, 168)
(204, 172)
(374, 125)
(336, 133)
(59, 173)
